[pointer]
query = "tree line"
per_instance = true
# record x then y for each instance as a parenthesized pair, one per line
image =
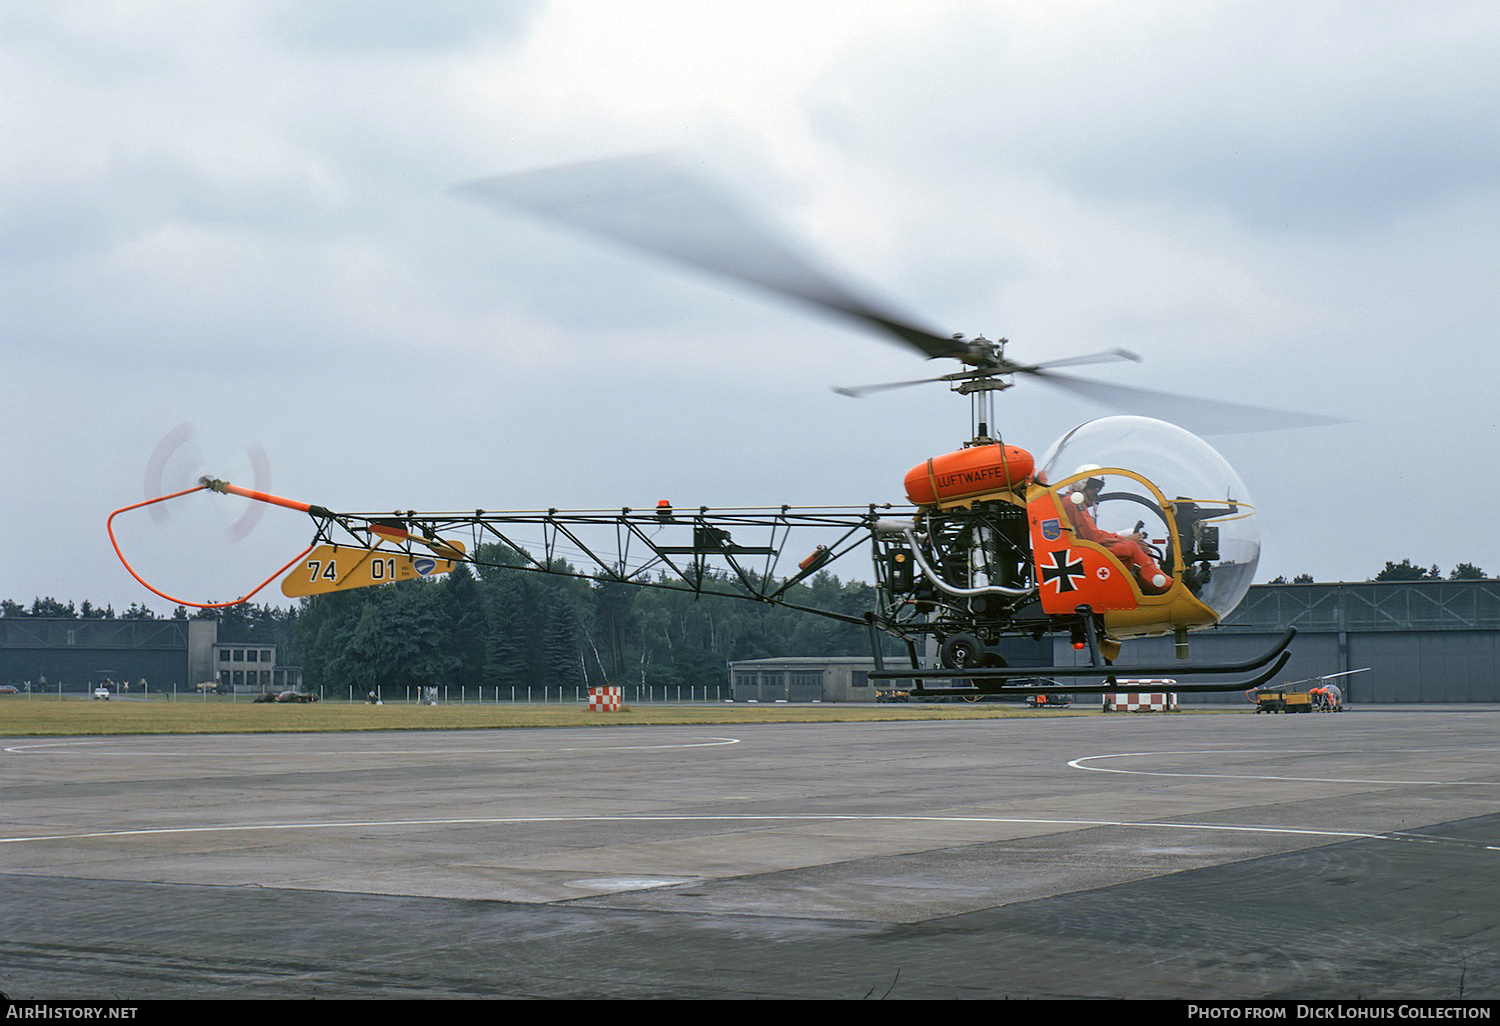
(1405, 571)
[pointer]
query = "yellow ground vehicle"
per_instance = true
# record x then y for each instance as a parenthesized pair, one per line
(1282, 701)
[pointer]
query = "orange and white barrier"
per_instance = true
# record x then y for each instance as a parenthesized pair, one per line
(1143, 700)
(604, 699)
(1140, 701)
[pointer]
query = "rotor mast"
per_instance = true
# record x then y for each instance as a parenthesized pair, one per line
(981, 384)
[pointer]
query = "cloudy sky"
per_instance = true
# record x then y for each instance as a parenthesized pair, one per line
(228, 243)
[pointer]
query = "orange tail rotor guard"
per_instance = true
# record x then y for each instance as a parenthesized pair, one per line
(223, 487)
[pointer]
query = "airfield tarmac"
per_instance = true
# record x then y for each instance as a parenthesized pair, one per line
(1125, 856)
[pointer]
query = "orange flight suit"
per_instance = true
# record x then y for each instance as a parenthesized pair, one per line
(1125, 548)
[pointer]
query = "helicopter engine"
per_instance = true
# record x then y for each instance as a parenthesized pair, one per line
(962, 568)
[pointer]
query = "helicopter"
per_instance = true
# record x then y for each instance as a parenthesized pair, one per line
(993, 548)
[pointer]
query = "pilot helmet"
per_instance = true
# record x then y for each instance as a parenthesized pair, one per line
(1093, 481)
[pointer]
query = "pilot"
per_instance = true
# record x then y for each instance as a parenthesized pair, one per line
(1130, 549)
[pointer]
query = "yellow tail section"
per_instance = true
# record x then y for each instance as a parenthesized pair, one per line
(330, 568)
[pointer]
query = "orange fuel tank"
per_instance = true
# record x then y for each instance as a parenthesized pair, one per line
(968, 472)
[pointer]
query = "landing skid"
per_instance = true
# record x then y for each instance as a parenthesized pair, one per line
(1029, 680)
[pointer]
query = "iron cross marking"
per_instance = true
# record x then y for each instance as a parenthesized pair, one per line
(1063, 570)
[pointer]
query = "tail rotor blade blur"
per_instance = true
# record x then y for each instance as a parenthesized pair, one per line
(177, 461)
(156, 467)
(261, 469)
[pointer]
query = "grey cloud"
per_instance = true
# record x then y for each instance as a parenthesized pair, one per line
(1325, 118)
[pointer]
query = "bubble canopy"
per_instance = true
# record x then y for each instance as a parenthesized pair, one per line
(1193, 485)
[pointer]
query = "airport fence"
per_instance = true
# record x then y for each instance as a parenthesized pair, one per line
(640, 694)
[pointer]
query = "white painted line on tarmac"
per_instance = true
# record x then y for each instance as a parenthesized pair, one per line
(126, 747)
(767, 819)
(1083, 764)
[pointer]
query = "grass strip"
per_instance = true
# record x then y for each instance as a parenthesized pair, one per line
(49, 716)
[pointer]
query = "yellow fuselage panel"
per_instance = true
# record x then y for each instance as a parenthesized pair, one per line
(1178, 609)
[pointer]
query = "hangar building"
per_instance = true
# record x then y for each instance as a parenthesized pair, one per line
(170, 655)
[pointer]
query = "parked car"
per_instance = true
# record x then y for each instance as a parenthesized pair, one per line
(293, 697)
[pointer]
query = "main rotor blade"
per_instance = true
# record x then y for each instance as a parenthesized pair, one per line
(860, 391)
(1107, 356)
(1203, 416)
(651, 204)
